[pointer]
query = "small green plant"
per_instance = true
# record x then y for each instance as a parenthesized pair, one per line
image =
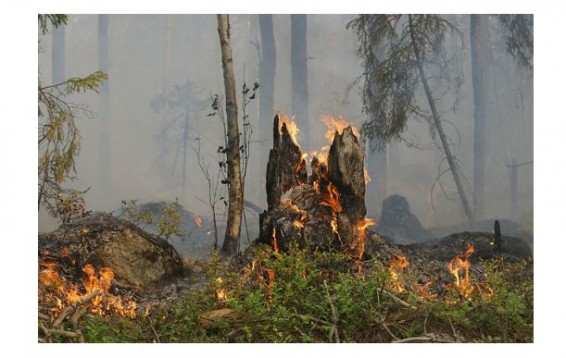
(168, 223)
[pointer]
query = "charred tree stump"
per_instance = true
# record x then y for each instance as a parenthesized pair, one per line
(346, 172)
(324, 209)
(286, 168)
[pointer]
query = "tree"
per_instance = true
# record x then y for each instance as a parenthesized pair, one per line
(181, 104)
(410, 43)
(235, 189)
(299, 83)
(518, 33)
(104, 129)
(479, 39)
(58, 133)
(267, 80)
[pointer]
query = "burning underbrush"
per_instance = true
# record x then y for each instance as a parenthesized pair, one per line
(305, 296)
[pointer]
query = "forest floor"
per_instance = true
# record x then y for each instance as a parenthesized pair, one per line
(300, 296)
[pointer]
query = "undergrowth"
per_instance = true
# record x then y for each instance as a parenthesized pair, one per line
(303, 297)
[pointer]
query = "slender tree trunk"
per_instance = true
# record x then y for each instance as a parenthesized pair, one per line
(235, 190)
(103, 115)
(266, 91)
(185, 152)
(439, 128)
(299, 84)
(480, 60)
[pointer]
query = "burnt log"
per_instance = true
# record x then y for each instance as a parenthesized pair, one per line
(286, 168)
(137, 258)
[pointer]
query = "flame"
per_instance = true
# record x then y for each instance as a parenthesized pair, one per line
(396, 267)
(337, 125)
(361, 232)
(332, 198)
(291, 127)
(288, 203)
(461, 262)
(65, 252)
(423, 290)
(367, 178)
(68, 293)
(270, 283)
(274, 241)
(198, 220)
(220, 292)
(300, 165)
(298, 224)
(334, 224)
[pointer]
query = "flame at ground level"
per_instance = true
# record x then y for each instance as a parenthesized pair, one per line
(56, 291)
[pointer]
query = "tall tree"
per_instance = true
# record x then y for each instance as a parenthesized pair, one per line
(235, 189)
(479, 38)
(103, 114)
(267, 81)
(411, 42)
(299, 83)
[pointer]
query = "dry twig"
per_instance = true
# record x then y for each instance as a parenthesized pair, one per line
(334, 317)
(74, 306)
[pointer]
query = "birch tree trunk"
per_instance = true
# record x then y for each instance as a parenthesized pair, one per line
(235, 190)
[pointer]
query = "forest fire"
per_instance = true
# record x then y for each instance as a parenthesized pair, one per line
(291, 127)
(461, 263)
(396, 266)
(57, 292)
(337, 125)
(361, 233)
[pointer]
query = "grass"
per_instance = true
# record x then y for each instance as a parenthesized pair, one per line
(304, 297)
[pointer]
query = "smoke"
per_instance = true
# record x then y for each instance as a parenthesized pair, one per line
(150, 54)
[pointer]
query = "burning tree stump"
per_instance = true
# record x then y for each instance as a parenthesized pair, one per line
(326, 209)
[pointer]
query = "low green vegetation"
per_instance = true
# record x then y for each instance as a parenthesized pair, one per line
(304, 297)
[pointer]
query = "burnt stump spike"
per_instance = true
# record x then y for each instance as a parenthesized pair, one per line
(346, 172)
(285, 168)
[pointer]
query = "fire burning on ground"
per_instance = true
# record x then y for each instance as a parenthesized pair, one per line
(55, 291)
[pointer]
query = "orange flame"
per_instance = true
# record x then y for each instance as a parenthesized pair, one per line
(291, 127)
(298, 224)
(274, 241)
(458, 263)
(221, 293)
(337, 125)
(367, 178)
(102, 304)
(361, 232)
(332, 198)
(396, 267)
